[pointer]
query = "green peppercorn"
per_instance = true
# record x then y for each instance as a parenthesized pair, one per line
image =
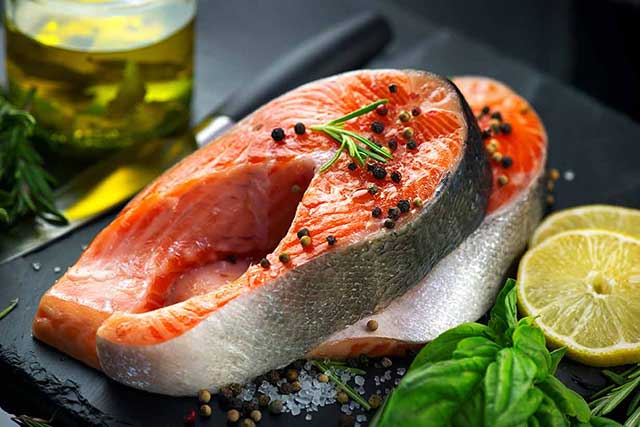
(404, 116)
(256, 415)
(264, 263)
(235, 388)
(407, 132)
(263, 400)
(342, 397)
(204, 396)
(284, 257)
(205, 410)
(233, 416)
(276, 407)
(373, 189)
(303, 232)
(247, 422)
(417, 202)
(375, 401)
(305, 241)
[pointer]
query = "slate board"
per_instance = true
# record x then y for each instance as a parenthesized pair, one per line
(598, 144)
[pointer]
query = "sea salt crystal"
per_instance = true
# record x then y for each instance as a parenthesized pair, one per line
(36, 266)
(308, 417)
(401, 371)
(359, 380)
(83, 247)
(357, 424)
(346, 409)
(57, 269)
(360, 390)
(569, 175)
(361, 418)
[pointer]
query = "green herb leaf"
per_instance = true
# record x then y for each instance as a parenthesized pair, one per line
(570, 402)
(530, 340)
(556, 356)
(504, 314)
(548, 414)
(510, 396)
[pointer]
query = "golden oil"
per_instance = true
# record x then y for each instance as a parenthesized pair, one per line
(102, 74)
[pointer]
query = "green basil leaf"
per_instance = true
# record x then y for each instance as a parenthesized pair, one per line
(471, 413)
(510, 395)
(434, 393)
(530, 340)
(549, 415)
(567, 400)
(503, 317)
(476, 346)
(444, 345)
(556, 357)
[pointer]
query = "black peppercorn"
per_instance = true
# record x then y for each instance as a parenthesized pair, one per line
(376, 212)
(412, 145)
(393, 213)
(393, 88)
(379, 172)
(396, 177)
(299, 128)
(352, 166)
(404, 206)
(277, 134)
(506, 162)
(393, 144)
(389, 223)
(377, 127)
(331, 240)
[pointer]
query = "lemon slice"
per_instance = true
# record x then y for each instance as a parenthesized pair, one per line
(583, 287)
(604, 217)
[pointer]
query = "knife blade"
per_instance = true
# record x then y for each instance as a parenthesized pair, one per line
(111, 182)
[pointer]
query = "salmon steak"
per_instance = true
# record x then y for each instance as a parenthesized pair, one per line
(255, 249)
(463, 285)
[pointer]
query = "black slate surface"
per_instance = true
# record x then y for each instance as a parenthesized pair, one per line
(599, 145)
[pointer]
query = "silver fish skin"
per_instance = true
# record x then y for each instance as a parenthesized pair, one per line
(460, 288)
(284, 319)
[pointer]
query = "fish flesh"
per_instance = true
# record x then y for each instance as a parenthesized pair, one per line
(463, 286)
(185, 289)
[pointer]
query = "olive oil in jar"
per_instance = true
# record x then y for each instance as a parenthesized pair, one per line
(102, 74)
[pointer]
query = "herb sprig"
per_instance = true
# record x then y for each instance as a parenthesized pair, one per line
(347, 139)
(610, 397)
(7, 310)
(497, 375)
(27, 421)
(25, 187)
(327, 369)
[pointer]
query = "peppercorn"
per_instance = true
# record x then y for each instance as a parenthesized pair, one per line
(550, 185)
(264, 263)
(389, 223)
(303, 232)
(396, 176)
(233, 416)
(352, 166)
(485, 134)
(404, 206)
(284, 257)
(376, 212)
(346, 420)
(232, 259)
(305, 241)
(382, 110)
(276, 406)
(263, 400)
(205, 410)
(236, 403)
(291, 374)
(295, 188)
(372, 325)
(417, 202)
(226, 393)
(550, 200)
(204, 396)
(375, 401)
(415, 111)
(412, 145)
(496, 115)
(285, 388)
(273, 377)
(497, 156)
(370, 167)
(503, 180)
(342, 397)
(393, 88)
(485, 110)
(554, 174)
(331, 240)
(373, 189)
(277, 134)
(256, 415)
(507, 162)
(505, 128)
(299, 128)
(249, 406)
(393, 213)
(404, 116)
(386, 362)
(393, 144)
(377, 127)
(247, 422)
(323, 378)
(379, 172)
(235, 388)
(407, 132)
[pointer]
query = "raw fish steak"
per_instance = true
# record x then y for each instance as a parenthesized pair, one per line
(463, 286)
(189, 287)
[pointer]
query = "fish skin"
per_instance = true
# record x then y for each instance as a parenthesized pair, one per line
(282, 320)
(460, 288)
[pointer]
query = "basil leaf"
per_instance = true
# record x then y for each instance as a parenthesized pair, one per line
(503, 317)
(444, 345)
(476, 346)
(471, 413)
(556, 357)
(567, 400)
(529, 340)
(433, 394)
(510, 395)
(549, 415)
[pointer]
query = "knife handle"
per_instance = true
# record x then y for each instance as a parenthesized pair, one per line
(346, 46)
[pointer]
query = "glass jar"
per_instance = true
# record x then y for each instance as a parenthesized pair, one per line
(101, 74)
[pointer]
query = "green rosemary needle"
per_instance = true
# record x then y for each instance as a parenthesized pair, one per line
(328, 371)
(610, 397)
(349, 140)
(7, 310)
(27, 421)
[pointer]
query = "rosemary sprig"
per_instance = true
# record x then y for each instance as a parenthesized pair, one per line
(25, 187)
(349, 140)
(27, 421)
(610, 397)
(7, 310)
(329, 372)
(335, 364)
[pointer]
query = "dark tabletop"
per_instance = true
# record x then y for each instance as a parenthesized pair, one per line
(234, 41)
